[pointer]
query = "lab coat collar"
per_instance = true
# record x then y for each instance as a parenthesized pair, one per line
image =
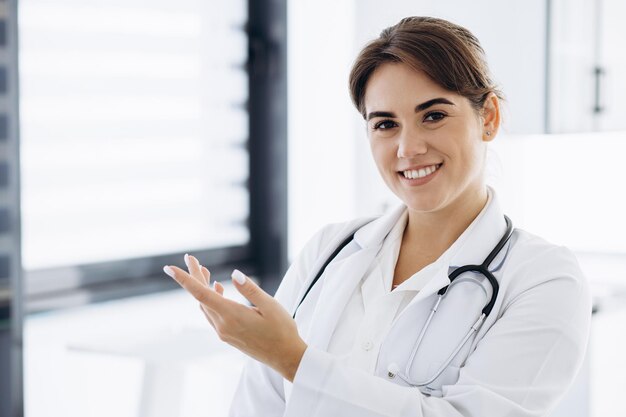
(480, 237)
(472, 247)
(373, 233)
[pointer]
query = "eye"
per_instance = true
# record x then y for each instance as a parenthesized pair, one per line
(384, 125)
(435, 116)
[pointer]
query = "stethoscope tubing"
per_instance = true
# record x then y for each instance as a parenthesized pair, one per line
(482, 269)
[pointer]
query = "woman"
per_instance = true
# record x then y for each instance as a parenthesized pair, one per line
(357, 346)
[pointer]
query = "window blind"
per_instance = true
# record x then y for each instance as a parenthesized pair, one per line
(133, 128)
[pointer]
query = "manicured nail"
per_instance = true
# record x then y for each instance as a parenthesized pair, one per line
(187, 260)
(169, 271)
(238, 276)
(214, 286)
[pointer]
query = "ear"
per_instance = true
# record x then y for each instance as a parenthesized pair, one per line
(490, 117)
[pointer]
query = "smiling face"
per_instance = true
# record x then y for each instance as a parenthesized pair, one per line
(429, 144)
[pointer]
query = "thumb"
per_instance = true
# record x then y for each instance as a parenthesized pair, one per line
(251, 291)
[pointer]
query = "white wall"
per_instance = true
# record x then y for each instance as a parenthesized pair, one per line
(321, 140)
(512, 34)
(566, 188)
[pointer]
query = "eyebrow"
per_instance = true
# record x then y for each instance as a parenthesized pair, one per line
(420, 107)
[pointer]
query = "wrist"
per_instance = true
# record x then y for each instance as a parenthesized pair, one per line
(292, 362)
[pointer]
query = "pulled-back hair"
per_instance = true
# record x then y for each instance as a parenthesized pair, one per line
(448, 53)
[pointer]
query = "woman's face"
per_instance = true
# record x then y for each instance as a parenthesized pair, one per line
(420, 130)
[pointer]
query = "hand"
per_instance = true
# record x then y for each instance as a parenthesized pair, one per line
(265, 331)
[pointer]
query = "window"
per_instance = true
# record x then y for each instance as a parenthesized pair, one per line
(143, 124)
(133, 122)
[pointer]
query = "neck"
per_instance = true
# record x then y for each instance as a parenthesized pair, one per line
(434, 232)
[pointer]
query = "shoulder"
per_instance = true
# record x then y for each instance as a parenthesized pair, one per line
(530, 252)
(533, 263)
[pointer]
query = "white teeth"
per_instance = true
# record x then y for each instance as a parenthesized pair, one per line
(421, 173)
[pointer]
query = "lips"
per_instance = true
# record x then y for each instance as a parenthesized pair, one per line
(421, 176)
(420, 172)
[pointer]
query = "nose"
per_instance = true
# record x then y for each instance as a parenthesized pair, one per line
(410, 144)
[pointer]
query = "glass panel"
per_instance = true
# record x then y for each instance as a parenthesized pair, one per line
(133, 128)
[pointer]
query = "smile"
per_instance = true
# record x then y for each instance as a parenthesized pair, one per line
(420, 173)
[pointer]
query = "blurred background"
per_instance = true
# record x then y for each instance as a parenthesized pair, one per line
(134, 131)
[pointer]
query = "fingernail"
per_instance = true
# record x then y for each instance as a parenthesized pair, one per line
(187, 260)
(238, 276)
(214, 286)
(169, 271)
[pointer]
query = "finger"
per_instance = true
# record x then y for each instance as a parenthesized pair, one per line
(206, 274)
(186, 258)
(218, 287)
(206, 296)
(195, 270)
(251, 291)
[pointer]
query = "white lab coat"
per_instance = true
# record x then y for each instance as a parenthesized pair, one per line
(520, 363)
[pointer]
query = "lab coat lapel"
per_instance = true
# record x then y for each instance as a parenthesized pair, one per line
(340, 281)
(344, 274)
(439, 280)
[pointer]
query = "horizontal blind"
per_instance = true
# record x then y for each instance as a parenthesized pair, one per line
(133, 128)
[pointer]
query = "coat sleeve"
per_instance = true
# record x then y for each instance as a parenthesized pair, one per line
(260, 391)
(521, 367)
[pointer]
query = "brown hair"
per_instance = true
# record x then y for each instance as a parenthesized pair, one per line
(448, 53)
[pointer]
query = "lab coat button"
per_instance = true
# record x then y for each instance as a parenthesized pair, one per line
(367, 345)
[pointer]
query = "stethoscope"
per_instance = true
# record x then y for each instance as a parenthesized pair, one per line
(394, 369)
